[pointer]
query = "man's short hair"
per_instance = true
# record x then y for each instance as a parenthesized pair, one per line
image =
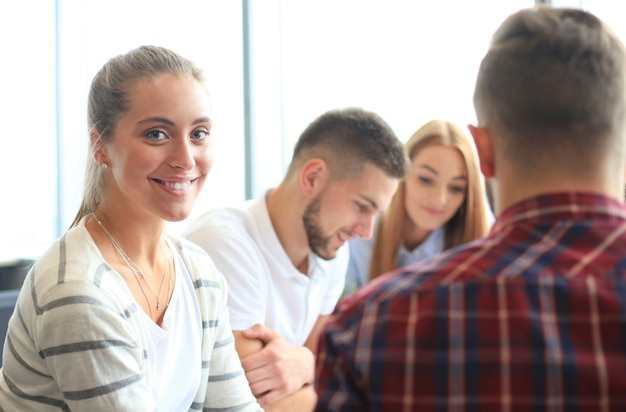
(347, 139)
(553, 83)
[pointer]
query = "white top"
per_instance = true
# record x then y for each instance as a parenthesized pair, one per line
(264, 286)
(361, 256)
(174, 359)
(76, 340)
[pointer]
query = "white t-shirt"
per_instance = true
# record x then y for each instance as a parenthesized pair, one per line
(73, 298)
(173, 359)
(263, 284)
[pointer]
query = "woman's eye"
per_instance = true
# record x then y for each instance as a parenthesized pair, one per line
(156, 135)
(425, 180)
(457, 189)
(200, 135)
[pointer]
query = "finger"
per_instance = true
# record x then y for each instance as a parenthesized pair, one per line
(261, 387)
(271, 397)
(259, 374)
(254, 331)
(260, 359)
(261, 332)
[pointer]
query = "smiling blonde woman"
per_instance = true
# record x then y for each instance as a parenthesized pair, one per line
(441, 204)
(118, 315)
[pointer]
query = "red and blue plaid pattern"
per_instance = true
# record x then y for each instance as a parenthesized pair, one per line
(531, 318)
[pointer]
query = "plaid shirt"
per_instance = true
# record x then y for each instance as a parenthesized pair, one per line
(531, 318)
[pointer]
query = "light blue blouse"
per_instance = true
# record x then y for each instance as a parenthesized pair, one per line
(361, 255)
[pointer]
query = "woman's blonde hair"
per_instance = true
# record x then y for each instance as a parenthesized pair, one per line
(467, 224)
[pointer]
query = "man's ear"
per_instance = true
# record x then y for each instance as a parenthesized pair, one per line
(97, 147)
(313, 175)
(484, 147)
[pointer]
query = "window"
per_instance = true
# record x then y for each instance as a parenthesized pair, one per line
(408, 61)
(45, 80)
(27, 108)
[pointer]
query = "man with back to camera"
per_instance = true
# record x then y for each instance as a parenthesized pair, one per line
(531, 318)
(284, 255)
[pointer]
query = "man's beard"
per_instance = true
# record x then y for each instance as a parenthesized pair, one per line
(317, 241)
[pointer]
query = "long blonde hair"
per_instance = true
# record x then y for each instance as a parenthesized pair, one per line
(467, 224)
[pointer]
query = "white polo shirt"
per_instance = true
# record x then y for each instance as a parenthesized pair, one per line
(263, 285)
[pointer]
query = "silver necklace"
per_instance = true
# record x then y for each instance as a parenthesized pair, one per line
(137, 272)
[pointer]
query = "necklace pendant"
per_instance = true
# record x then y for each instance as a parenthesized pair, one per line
(159, 306)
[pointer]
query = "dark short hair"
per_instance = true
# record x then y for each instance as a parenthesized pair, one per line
(553, 83)
(347, 139)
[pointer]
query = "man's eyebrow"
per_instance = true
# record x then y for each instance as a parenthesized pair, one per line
(369, 200)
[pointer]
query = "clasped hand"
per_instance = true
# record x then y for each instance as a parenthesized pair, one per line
(279, 369)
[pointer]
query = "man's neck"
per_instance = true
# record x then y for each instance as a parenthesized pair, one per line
(285, 208)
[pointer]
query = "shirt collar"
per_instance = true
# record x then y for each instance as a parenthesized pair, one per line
(432, 245)
(548, 208)
(318, 267)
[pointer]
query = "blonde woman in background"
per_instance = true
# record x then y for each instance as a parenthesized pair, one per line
(441, 204)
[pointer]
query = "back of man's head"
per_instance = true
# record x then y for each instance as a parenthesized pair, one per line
(551, 89)
(347, 139)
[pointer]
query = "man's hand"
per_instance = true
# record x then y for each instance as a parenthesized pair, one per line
(279, 369)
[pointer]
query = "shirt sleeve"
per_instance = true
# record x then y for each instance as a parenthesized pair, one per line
(90, 350)
(228, 388)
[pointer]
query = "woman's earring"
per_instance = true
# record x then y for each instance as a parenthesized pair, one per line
(104, 166)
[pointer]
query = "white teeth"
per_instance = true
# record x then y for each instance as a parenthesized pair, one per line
(178, 186)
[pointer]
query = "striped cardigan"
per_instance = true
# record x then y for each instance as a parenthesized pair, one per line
(75, 340)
